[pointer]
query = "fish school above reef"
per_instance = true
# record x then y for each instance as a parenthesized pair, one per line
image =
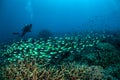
(81, 56)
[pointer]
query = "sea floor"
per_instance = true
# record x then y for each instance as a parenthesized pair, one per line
(74, 56)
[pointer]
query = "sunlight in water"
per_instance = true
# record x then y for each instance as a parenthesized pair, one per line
(29, 9)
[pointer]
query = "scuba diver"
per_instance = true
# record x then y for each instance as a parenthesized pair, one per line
(26, 29)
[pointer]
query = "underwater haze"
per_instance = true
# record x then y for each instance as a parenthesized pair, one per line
(59, 39)
(58, 16)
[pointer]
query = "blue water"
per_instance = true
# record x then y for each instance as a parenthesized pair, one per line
(57, 16)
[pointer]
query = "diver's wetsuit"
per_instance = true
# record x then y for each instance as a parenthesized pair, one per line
(26, 29)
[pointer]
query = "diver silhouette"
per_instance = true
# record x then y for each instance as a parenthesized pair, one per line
(27, 28)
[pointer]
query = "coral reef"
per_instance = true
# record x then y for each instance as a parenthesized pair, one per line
(81, 56)
(106, 46)
(24, 70)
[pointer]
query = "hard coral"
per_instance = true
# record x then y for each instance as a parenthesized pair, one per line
(105, 46)
(25, 70)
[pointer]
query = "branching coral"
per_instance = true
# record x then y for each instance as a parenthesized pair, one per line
(25, 70)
